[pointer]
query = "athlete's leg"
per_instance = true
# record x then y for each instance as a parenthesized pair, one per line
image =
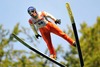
(47, 38)
(55, 29)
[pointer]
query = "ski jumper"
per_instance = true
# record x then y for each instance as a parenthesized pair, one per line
(46, 27)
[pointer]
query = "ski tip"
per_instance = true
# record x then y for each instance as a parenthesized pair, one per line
(67, 3)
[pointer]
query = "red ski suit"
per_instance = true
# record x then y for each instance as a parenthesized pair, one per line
(46, 27)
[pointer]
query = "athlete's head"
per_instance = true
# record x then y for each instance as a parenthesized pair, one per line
(32, 12)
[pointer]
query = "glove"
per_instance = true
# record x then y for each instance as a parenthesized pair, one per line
(37, 36)
(74, 44)
(58, 21)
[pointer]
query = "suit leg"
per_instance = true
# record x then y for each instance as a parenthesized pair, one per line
(47, 38)
(56, 30)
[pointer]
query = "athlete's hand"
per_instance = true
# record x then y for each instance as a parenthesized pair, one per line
(58, 21)
(37, 36)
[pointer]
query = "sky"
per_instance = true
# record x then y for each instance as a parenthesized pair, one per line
(14, 11)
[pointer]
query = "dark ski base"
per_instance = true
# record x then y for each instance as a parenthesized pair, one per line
(36, 51)
(75, 34)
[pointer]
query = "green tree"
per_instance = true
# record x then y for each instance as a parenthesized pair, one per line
(89, 42)
(9, 57)
(6, 45)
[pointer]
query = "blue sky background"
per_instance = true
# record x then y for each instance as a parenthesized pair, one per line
(13, 11)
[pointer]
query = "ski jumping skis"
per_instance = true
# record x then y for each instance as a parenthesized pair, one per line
(36, 51)
(75, 34)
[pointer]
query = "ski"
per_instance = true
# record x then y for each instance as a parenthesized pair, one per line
(36, 51)
(75, 34)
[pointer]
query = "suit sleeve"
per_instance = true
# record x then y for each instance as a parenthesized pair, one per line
(49, 15)
(33, 27)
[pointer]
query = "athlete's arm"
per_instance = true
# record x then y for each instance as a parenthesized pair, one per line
(49, 16)
(33, 27)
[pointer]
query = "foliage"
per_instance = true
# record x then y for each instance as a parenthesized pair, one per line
(9, 57)
(89, 42)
